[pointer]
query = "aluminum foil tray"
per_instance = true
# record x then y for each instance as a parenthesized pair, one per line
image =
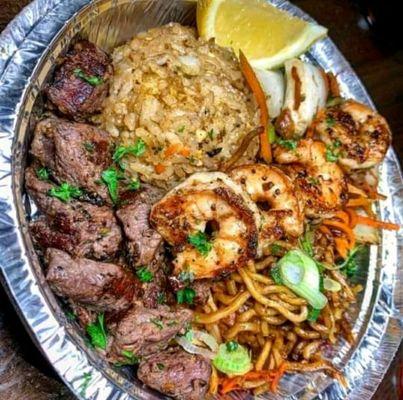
(28, 50)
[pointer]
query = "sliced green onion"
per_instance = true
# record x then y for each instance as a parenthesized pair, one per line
(234, 362)
(300, 273)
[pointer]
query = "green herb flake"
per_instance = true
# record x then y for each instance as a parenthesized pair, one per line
(134, 185)
(65, 192)
(89, 146)
(313, 181)
(186, 276)
(232, 346)
(158, 323)
(211, 134)
(86, 380)
(110, 178)
(200, 242)
(97, 332)
(276, 249)
(350, 266)
(161, 298)
(330, 122)
(332, 154)
(313, 314)
(271, 133)
(144, 274)
(70, 315)
(160, 366)
(131, 359)
(181, 129)
(275, 274)
(137, 150)
(91, 79)
(185, 296)
(42, 174)
(287, 144)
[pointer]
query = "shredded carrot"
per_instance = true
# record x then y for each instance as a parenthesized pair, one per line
(343, 216)
(353, 217)
(177, 148)
(342, 247)
(253, 82)
(279, 374)
(376, 223)
(229, 385)
(341, 226)
(159, 168)
(361, 201)
(324, 229)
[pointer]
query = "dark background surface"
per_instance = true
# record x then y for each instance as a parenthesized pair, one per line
(369, 35)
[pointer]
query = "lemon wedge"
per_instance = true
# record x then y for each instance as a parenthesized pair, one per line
(266, 35)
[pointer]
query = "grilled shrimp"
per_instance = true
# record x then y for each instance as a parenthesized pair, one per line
(275, 195)
(212, 209)
(320, 181)
(363, 136)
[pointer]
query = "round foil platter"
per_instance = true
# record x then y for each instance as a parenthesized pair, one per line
(29, 48)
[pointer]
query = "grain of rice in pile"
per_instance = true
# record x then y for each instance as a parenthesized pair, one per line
(185, 98)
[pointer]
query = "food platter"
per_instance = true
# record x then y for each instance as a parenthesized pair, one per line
(28, 50)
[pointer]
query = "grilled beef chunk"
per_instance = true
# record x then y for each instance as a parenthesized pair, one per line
(75, 153)
(176, 373)
(80, 83)
(100, 286)
(144, 331)
(81, 229)
(202, 291)
(143, 241)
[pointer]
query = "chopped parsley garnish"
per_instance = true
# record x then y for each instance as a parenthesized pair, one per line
(232, 346)
(87, 376)
(137, 150)
(181, 129)
(158, 323)
(97, 333)
(287, 144)
(186, 276)
(313, 181)
(134, 185)
(70, 315)
(200, 242)
(110, 178)
(131, 359)
(172, 323)
(160, 366)
(276, 249)
(332, 153)
(275, 274)
(89, 146)
(330, 121)
(42, 174)
(144, 274)
(161, 298)
(185, 296)
(91, 79)
(210, 134)
(313, 314)
(65, 192)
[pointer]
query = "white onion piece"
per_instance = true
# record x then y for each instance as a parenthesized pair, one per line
(193, 349)
(206, 338)
(331, 285)
(302, 114)
(321, 85)
(273, 86)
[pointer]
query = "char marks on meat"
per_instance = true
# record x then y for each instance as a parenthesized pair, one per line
(176, 373)
(71, 92)
(143, 242)
(103, 287)
(81, 229)
(75, 153)
(144, 331)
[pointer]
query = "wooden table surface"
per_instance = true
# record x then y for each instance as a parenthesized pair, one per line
(26, 375)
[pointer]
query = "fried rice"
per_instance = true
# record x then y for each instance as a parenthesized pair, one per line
(185, 97)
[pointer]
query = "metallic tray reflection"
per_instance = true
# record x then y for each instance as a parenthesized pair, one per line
(28, 50)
